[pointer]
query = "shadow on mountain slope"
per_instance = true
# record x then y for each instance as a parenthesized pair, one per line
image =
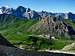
(5, 42)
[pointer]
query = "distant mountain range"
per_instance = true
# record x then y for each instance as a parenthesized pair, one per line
(22, 12)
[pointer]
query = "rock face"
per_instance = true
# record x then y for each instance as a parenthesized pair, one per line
(50, 25)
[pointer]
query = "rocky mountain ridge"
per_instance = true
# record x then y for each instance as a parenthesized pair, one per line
(22, 12)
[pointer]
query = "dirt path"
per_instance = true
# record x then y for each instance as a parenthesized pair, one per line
(69, 47)
(59, 51)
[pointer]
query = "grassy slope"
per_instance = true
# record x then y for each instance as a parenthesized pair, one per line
(17, 33)
(70, 23)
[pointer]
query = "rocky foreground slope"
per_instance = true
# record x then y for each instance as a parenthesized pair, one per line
(7, 49)
(11, 51)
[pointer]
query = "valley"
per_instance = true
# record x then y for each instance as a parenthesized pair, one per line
(19, 33)
(43, 31)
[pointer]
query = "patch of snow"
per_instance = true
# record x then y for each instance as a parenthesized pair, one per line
(0, 11)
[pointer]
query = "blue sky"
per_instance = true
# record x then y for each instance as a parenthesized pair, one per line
(39, 5)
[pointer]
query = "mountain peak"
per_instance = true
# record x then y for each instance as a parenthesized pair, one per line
(21, 7)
